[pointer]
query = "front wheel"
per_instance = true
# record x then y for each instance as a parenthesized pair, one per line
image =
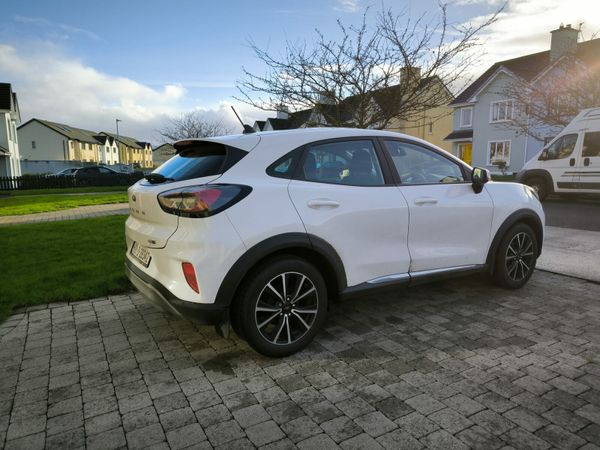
(282, 306)
(516, 257)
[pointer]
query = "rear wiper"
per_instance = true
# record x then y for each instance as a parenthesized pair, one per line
(156, 178)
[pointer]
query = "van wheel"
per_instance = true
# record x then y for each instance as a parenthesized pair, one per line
(282, 305)
(538, 185)
(516, 257)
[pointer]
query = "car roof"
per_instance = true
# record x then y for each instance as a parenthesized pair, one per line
(297, 137)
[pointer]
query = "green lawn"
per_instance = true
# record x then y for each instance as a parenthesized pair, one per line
(66, 260)
(21, 204)
(65, 190)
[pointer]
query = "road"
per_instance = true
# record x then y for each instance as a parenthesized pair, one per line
(582, 213)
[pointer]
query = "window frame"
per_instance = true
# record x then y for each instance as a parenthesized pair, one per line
(488, 152)
(398, 182)
(585, 133)
(460, 119)
(512, 110)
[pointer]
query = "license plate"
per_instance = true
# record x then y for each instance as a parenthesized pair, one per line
(141, 254)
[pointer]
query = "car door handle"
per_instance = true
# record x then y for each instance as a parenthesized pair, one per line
(572, 162)
(586, 162)
(322, 203)
(425, 201)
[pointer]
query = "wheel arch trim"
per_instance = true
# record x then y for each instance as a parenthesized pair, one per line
(278, 244)
(538, 173)
(524, 215)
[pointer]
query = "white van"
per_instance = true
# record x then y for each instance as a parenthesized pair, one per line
(570, 163)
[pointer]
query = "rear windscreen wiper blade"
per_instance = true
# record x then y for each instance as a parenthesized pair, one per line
(156, 178)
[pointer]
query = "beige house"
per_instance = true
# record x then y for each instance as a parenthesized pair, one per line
(132, 151)
(163, 153)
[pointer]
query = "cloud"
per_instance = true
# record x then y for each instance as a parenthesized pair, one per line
(349, 6)
(56, 28)
(524, 26)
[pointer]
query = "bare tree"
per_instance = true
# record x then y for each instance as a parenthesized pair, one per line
(371, 75)
(192, 125)
(547, 104)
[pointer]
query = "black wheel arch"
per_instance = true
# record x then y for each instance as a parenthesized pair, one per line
(312, 248)
(537, 173)
(526, 216)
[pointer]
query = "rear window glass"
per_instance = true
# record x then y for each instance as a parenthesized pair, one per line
(203, 159)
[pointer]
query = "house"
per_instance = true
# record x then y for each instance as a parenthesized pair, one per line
(132, 151)
(10, 118)
(108, 149)
(162, 153)
(43, 140)
(432, 124)
(485, 131)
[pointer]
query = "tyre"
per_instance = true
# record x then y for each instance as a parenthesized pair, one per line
(516, 257)
(539, 185)
(281, 306)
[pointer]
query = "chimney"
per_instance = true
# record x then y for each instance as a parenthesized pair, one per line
(564, 41)
(410, 74)
(283, 112)
(326, 98)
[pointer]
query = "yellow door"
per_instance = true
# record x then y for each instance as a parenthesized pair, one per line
(465, 152)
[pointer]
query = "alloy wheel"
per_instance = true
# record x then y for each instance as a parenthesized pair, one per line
(286, 309)
(519, 256)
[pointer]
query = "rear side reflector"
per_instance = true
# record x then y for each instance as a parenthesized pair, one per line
(190, 276)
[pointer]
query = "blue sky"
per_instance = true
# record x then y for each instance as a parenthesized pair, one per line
(86, 63)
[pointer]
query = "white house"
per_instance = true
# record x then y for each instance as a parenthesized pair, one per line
(10, 118)
(108, 148)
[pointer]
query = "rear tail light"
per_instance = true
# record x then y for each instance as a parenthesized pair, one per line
(202, 201)
(190, 276)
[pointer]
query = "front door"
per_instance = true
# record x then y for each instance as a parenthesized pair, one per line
(465, 152)
(588, 163)
(342, 197)
(449, 224)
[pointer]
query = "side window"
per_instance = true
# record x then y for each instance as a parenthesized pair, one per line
(285, 167)
(561, 148)
(591, 144)
(418, 165)
(348, 162)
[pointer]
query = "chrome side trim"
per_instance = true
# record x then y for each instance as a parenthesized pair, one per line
(390, 278)
(425, 273)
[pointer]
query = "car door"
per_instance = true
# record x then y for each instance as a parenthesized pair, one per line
(342, 196)
(559, 159)
(588, 163)
(449, 223)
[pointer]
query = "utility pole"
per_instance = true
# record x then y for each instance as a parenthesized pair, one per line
(118, 145)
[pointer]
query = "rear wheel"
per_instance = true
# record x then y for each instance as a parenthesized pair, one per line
(516, 257)
(538, 185)
(281, 307)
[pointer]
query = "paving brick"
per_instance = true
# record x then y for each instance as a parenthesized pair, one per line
(320, 441)
(354, 407)
(450, 420)
(139, 418)
(417, 424)
(186, 436)
(565, 419)
(108, 440)
(300, 429)
(393, 408)
(285, 411)
(224, 432)
(492, 422)
(251, 415)
(590, 412)
(103, 422)
(463, 404)
(442, 440)
(177, 418)
(559, 437)
(399, 440)
(522, 439)
(264, 433)
(144, 437)
(341, 428)
(69, 439)
(360, 442)
(478, 438)
(30, 442)
(321, 411)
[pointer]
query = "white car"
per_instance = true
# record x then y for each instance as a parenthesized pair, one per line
(263, 230)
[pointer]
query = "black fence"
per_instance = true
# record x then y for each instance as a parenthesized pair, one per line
(53, 182)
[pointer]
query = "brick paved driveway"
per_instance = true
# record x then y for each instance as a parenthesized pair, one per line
(452, 365)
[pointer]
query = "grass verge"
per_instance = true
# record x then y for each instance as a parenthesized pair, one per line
(80, 190)
(60, 261)
(31, 204)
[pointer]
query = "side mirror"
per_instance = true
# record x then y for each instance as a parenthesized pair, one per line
(543, 156)
(479, 177)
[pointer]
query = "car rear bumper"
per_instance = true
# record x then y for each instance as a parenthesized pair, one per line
(157, 294)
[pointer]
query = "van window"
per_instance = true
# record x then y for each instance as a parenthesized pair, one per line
(561, 148)
(591, 144)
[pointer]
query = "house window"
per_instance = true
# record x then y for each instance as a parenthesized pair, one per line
(501, 111)
(33, 144)
(499, 151)
(466, 117)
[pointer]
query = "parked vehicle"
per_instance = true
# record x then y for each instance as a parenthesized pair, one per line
(265, 229)
(570, 163)
(69, 171)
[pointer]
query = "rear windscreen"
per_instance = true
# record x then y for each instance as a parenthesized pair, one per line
(202, 159)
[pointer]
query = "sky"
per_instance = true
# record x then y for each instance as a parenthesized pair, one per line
(86, 63)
